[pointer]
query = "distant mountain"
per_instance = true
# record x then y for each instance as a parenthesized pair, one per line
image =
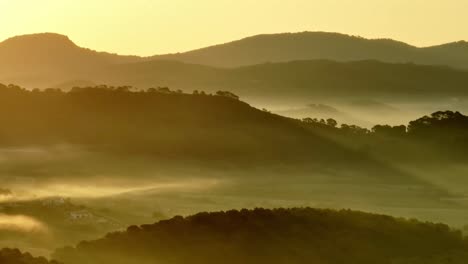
(321, 45)
(276, 236)
(46, 60)
(39, 58)
(299, 80)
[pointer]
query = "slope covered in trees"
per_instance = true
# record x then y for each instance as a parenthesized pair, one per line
(172, 125)
(159, 122)
(165, 122)
(276, 236)
(14, 256)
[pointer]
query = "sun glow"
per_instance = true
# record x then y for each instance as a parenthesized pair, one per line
(149, 27)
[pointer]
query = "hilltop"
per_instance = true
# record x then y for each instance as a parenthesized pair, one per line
(276, 236)
(321, 46)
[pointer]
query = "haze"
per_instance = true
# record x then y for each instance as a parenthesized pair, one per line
(222, 131)
(148, 27)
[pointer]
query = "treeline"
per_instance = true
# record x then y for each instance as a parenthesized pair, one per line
(155, 121)
(301, 235)
(14, 256)
(442, 133)
(12, 89)
(430, 126)
(164, 122)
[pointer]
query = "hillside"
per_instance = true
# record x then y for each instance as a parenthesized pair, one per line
(276, 236)
(300, 80)
(173, 152)
(14, 256)
(161, 123)
(321, 45)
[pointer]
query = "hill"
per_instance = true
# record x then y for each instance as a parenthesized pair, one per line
(299, 80)
(159, 122)
(46, 60)
(36, 59)
(14, 256)
(276, 236)
(323, 46)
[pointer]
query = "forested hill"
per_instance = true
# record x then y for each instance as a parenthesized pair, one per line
(276, 236)
(159, 122)
(168, 123)
(321, 45)
(14, 256)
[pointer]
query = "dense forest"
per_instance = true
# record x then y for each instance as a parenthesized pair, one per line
(276, 236)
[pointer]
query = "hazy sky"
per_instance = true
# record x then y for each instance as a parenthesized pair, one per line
(147, 27)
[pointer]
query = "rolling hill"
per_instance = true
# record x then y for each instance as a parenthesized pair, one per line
(299, 80)
(276, 236)
(48, 60)
(321, 45)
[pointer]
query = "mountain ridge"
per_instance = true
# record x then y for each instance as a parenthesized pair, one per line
(48, 59)
(299, 38)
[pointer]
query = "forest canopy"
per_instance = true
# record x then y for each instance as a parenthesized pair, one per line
(301, 235)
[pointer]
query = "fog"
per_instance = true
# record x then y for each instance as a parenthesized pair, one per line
(21, 223)
(362, 111)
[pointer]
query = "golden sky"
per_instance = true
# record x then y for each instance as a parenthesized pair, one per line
(148, 27)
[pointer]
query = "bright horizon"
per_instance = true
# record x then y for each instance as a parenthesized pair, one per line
(150, 27)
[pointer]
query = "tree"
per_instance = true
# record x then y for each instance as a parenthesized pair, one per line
(332, 122)
(386, 130)
(227, 94)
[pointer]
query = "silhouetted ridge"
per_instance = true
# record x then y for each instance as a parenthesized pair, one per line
(296, 46)
(45, 60)
(276, 236)
(300, 79)
(43, 40)
(14, 256)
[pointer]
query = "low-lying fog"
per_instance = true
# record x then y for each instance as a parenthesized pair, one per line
(72, 194)
(363, 112)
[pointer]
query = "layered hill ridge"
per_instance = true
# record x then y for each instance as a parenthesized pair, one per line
(300, 64)
(259, 49)
(297, 79)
